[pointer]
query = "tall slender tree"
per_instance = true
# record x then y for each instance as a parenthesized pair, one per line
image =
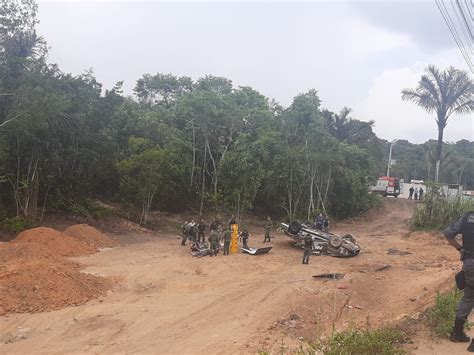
(447, 92)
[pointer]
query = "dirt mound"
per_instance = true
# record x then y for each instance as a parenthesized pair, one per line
(41, 285)
(90, 236)
(55, 241)
(20, 252)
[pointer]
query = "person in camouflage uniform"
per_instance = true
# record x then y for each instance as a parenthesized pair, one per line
(184, 230)
(268, 227)
(214, 241)
(308, 249)
(227, 238)
(244, 236)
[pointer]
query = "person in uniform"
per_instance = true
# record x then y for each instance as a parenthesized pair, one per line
(184, 230)
(308, 248)
(214, 241)
(192, 232)
(227, 238)
(244, 236)
(319, 222)
(268, 227)
(326, 224)
(465, 227)
(201, 230)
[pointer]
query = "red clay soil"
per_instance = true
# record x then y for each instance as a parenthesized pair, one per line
(35, 276)
(21, 252)
(42, 285)
(90, 236)
(55, 241)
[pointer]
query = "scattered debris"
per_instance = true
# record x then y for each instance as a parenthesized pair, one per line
(393, 251)
(257, 251)
(385, 267)
(330, 276)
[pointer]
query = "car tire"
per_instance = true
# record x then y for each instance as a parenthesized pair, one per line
(335, 241)
(294, 227)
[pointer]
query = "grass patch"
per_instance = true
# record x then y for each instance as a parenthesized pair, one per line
(441, 316)
(384, 341)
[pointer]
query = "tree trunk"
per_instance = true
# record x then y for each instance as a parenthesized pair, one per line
(439, 149)
(194, 155)
(203, 187)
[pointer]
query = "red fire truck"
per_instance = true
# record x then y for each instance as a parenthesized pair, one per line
(387, 186)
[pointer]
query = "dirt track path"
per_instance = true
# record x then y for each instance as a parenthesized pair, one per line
(169, 302)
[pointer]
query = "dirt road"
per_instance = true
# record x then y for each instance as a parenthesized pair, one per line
(166, 301)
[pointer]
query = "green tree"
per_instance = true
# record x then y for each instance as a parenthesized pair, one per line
(445, 93)
(143, 175)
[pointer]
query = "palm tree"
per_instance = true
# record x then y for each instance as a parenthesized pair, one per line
(447, 92)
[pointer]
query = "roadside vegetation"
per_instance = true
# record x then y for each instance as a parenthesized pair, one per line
(441, 316)
(386, 341)
(438, 211)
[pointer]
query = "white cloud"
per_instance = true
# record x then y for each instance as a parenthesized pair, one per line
(404, 120)
(365, 40)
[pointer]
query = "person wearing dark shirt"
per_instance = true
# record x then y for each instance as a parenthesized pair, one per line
(319, 222)
(465, 227)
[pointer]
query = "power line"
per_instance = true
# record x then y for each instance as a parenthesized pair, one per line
(460, 41)
(466, 55)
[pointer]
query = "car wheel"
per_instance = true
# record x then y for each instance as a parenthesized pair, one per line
(335, 241)
(294, 227)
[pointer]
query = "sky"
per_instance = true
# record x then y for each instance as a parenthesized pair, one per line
(356, 54)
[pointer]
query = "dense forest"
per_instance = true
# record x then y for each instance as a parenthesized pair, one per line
(181, 144)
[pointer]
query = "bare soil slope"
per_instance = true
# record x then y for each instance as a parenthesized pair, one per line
(170, 302)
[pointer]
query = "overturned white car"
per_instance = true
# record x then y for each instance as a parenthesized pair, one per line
(323, 243)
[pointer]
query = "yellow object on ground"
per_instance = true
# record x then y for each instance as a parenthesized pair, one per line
(234, 238)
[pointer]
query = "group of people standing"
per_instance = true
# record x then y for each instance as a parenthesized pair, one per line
(415, 193)
(195, 233)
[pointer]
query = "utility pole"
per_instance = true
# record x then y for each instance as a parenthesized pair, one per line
(392, 143)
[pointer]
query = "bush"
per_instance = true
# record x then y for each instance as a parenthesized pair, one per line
(437, 212)
(385, 341)
(441, 316)
(16, 224)
(83, 208)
